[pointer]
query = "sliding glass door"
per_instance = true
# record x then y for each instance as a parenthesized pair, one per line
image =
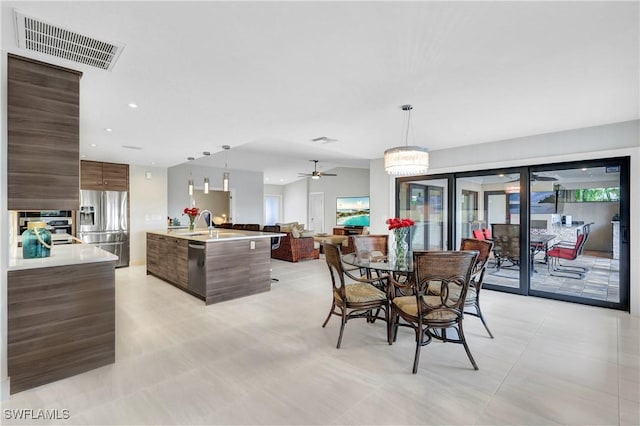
(496, 218)
(426, 202)
(560, 231)
(580, 214)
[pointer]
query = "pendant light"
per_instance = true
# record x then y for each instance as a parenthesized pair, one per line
(206, 179)
(406, 160)
(225, 175)
(190, 186)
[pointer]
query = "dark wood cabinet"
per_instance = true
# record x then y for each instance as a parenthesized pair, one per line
(104, 176)
(232, 268)
(156, 252)
(347, 231)
(61, 322)
(167, 258)
(177, 261)
(43, 125)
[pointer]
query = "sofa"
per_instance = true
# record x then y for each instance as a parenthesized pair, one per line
(296, 245)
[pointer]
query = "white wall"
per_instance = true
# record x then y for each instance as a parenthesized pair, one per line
(350, 182)
(612, 140)
(274, 190)
(381, 192)
(296, 204)
(246, 190)
(147, 208)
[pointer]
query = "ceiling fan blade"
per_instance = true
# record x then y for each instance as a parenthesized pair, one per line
(544, 178)
(327, 174)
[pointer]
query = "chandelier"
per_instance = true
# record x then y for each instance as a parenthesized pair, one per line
(406, 160)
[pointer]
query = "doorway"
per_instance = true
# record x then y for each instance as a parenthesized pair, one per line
(316, 212)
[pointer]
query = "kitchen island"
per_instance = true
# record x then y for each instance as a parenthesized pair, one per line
(216, 265)
(61, 314)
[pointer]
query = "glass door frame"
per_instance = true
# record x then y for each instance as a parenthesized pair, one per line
(524, 270)
(625, 246)
(450, 190)
(525, 195)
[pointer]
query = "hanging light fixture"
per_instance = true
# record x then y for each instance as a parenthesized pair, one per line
(512, 188)
(225, 175)
(206, 179)
(190, 186)
(406, 160)
(225, 181)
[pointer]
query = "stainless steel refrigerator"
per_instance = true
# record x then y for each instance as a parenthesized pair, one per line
(103, 221)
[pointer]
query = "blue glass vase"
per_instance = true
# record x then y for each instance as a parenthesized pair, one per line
(36, 241)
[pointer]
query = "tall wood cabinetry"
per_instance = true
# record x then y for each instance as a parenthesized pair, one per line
(43, 123)
(104, 176)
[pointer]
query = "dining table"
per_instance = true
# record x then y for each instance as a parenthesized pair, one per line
(538, 243)
(380, 264)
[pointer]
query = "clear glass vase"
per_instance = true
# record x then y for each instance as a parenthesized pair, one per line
(399, 248)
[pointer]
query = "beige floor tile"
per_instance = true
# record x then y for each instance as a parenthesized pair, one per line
(265, 359)
(629, 413)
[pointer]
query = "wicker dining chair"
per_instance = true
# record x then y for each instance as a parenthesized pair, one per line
(472, 300)
(431, 315)
(372, 247)
(357, 299)
(366, 245)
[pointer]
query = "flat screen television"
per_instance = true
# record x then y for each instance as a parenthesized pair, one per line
(352, 211)
(543, 202)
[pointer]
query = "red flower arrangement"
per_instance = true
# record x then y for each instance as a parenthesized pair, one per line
(395, 223)
(192, 213)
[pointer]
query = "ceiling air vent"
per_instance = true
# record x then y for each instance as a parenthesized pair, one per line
(37, 35)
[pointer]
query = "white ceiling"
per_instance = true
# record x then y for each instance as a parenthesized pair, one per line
(267, 77)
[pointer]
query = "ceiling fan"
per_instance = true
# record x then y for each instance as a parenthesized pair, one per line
(315, 174)
(535, 177)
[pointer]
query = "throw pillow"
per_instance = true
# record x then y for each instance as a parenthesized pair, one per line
(287, 227)
(296, 231)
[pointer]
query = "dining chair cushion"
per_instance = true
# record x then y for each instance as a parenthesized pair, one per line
(362, 292)
(407, 304)
(454, 292)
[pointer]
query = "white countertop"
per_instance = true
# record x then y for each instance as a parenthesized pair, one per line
(61, 255)
(217, 234)
(54, 237)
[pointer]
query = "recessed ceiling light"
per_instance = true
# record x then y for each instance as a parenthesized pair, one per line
(584, 169)
(133, 105)
(266, 178)
(93, 145)
(281, 180)
(83, 156)
(153, 163)
(108, 129)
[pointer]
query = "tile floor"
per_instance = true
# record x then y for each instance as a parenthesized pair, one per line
(265, 359)
(601, 281)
